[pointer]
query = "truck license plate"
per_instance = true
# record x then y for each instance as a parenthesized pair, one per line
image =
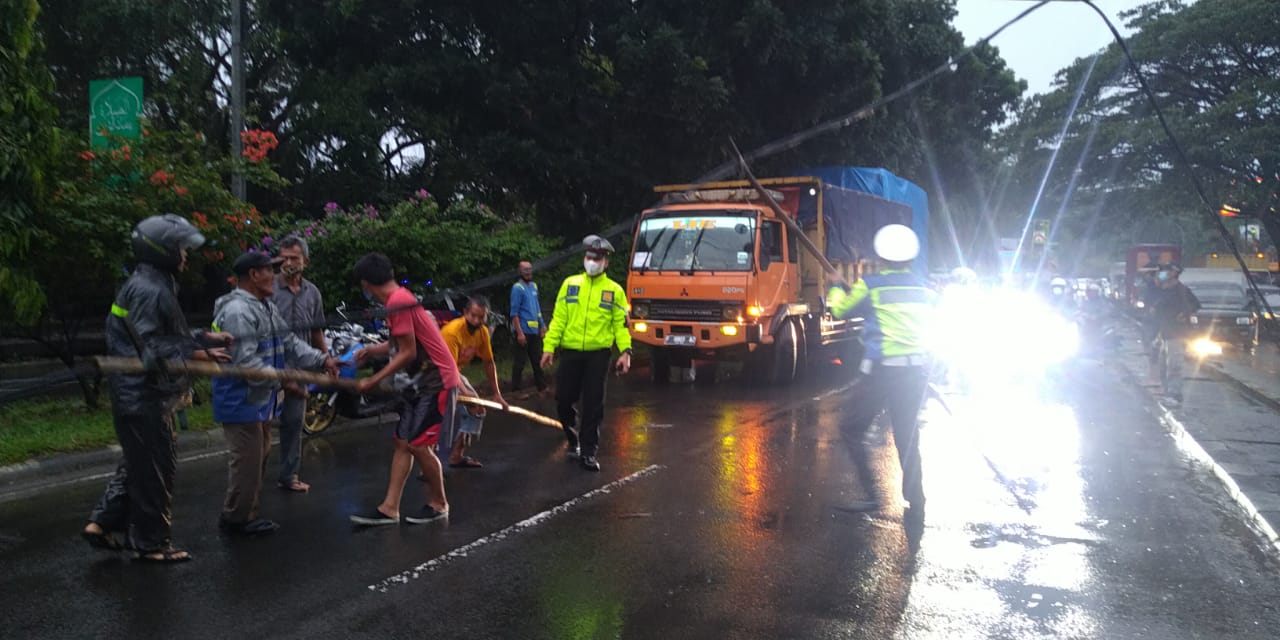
(681, 341)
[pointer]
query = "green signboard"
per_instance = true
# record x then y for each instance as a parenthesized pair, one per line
(114, 105)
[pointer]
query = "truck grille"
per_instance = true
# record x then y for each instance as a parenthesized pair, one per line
(690, 311)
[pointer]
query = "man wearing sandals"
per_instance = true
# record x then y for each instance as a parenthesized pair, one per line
(468, 338)
(246, 408)
(300, 303)
(146, 323)
(424, 374)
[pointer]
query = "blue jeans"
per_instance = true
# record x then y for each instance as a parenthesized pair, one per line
(291, 412)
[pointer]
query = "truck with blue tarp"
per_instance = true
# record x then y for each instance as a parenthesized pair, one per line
(715, 275)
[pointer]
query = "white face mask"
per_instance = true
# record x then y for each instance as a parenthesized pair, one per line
(593, 267)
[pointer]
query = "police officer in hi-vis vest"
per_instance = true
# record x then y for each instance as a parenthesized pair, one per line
(895, 304)
(590, 318)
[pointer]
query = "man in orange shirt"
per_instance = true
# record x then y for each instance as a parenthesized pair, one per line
(468, 338)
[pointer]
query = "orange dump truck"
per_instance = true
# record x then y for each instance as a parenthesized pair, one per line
(716, 275)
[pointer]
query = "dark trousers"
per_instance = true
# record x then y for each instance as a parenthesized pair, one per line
(292, 412)
(139, 497)
(249, 444)
(532, 353)
(899, 391)
(582, 374)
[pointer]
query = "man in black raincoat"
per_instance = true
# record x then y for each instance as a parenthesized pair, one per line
(146, 322)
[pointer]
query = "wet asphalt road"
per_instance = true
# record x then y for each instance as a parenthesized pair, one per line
(1058, 510)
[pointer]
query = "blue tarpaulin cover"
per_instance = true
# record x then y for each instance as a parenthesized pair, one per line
(852, 219)
(882, 183)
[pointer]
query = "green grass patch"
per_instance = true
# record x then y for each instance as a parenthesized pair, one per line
(34, 428)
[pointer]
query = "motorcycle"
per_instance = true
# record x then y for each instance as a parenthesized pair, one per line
(324, 405)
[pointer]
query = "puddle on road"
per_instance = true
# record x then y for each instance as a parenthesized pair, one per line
(988, 535)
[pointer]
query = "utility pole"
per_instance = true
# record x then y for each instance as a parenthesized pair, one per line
(237, 93)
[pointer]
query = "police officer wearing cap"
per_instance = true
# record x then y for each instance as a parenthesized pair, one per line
(895, 304)
(590, 318)
(146, 322)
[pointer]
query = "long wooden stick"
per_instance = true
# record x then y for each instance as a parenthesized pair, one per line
(206, 368)
(786, 219)
(524, 413)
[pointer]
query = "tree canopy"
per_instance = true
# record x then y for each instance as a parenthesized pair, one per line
(1111, 176)
(568, 110)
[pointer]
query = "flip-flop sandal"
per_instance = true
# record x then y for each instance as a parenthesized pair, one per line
(104, 541)
(167, 556)
(466, 463)
(297, 486)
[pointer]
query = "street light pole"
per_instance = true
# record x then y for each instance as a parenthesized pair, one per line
(237, 93)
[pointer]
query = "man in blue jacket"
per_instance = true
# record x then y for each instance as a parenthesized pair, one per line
(246, 407)
(529, 327)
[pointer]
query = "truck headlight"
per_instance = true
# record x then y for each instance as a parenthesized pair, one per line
(731, 313)
(640, 311)
(1195, 320)
(1244, 321)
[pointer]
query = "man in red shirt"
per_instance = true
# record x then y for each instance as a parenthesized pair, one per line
(425, 376)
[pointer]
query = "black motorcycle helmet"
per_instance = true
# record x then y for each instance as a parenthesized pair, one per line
(159, 240)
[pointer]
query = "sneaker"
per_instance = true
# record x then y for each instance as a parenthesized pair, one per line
(590, 463)
(372, 518)
(427, 514)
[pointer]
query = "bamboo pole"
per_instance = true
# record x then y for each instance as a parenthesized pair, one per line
(207, 368)
(524, 413)
(786, 219)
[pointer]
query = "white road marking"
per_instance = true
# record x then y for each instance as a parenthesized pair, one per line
(831, 392)
(461, 552)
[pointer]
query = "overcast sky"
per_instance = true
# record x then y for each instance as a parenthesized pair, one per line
(1045, 41)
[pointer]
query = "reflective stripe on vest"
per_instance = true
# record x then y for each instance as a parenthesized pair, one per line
(119, 311)
(900, 313)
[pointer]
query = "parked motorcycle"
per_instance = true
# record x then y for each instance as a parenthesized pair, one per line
(325, 405)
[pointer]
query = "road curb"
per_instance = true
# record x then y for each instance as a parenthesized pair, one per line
(1243, 387)
(1188, 444)
(33, 476)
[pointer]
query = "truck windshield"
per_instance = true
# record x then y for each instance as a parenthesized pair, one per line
(704, 241)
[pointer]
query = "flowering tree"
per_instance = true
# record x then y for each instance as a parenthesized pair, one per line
(80, 240)
(431, 249)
